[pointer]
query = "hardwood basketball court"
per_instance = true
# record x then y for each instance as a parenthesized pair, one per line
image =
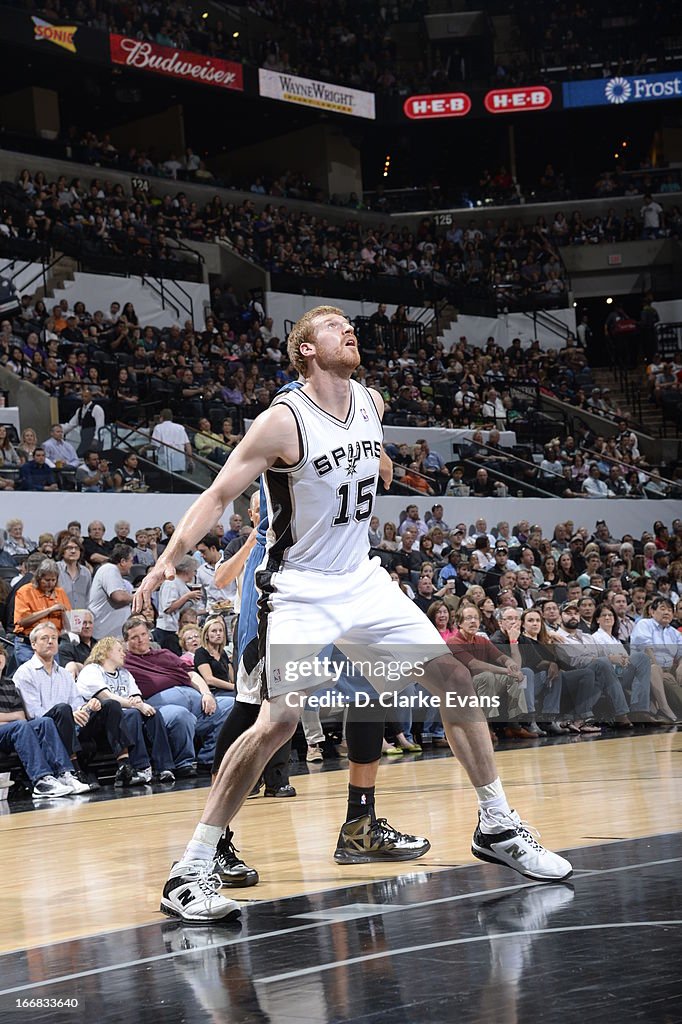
(83, 877)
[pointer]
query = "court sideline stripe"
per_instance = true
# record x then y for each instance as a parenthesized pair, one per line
(435, 868)
(456, 942)
(323, 924)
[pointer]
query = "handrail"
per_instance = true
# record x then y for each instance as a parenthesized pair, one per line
(666, 333)
(46, 266)
(162, 444)
(571, 412)
(188, 309)
(159, 291)
(587, 452)
(508, 455)
(180, 244)
(505, 478)
(389, 334)
(625, 466)
(550, 323)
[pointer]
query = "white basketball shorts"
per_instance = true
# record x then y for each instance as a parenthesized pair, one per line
(363, 612)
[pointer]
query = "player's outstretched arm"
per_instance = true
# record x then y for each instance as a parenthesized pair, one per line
(272, 437)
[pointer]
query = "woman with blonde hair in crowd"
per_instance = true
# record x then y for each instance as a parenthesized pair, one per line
(375, 535)
(475, 595)
(46, 544)
(29, 443)
(104, 677)
(391, 541)
(210, 658)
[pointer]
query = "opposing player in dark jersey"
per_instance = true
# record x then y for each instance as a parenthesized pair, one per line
(318, 450)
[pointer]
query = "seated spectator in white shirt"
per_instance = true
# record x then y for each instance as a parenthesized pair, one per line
(58, 451)
(594, 486)
(663, 643)
(47, 689)
(412, 519)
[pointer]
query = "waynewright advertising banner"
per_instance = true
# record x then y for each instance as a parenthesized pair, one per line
(338, 99)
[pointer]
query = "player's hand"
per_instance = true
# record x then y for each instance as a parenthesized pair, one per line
(151, 582)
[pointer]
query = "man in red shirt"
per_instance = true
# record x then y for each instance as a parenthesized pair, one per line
(164, 680)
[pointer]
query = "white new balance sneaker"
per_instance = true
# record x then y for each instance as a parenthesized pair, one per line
(74, 784)
(502, 838)
(191, 894)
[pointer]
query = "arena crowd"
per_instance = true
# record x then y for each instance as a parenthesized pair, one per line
(569, 633)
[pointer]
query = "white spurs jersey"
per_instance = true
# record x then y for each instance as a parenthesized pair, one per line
(319, 509)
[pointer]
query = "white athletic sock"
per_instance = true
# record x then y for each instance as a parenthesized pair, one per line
(202, 845)
(492, 798)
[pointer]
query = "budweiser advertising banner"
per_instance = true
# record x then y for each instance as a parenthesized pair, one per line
(165, 60)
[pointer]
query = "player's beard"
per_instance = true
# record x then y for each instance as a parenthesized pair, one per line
(343, 362)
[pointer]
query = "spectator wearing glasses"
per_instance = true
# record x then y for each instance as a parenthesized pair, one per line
(494, 674)
(74, 653)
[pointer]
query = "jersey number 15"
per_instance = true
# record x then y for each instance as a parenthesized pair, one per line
(364, 499)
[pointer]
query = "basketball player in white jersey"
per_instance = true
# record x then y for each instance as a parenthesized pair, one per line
(318, 451)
